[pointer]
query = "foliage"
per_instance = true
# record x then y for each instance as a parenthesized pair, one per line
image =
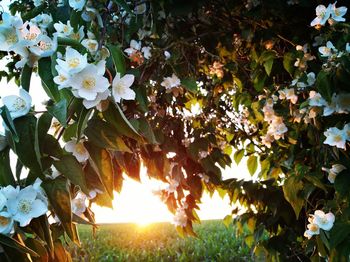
(181, 86)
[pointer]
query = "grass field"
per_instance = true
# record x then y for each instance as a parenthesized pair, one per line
(160, 242)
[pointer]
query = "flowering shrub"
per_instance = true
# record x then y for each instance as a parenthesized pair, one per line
(180, 88)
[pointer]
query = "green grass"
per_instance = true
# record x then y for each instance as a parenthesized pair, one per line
(159, 242)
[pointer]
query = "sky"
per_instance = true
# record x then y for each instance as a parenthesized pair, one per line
(136, 203)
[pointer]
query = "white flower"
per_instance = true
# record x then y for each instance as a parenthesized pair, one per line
(25, 206)
(3, 200)
(180, 218)
(63, 30)
(100, 97)
(40, 191)
(77, 149)
(277, 127)
(327, 50)
(334, 171)
(335, 137)
(347, 47)
(121, 87)
(315, 99)
(18, 104)
(28, 34)
(43, 20)
(338, 13)
(74, 61)
(167, 55)
(8, 38)
(77, 5)
(170, 82)
(78, 204)
(322, 15)
(324, 221)
(140, 9)
(146, 50)
(91, 45)
(45, 46)
(312, 229)
(346, 130)
(6, 223)
(134, 46)
(62, 79)
(89, 82)
(288, 93)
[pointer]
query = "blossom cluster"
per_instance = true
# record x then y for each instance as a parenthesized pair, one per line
(277, 128)
(29, 40)
(21, 205)
(319, 220)
(330, 13)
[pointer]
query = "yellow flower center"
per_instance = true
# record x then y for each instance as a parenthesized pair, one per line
(62, 78)
(4, 221)
(337, 138)
(24, 206)
(74, 62)
(44, 45)
(80, 149)
(120, 89)
(89, 82)
(92, 45)
(313, 227)
(19, 104)
(11, 38)
(65, 29)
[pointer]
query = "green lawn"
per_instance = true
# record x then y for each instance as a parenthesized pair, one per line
(160, 242)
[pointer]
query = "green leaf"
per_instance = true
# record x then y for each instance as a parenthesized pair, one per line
(320, 247)
(288, 62)
(238, 155)
(190, 84)
(115, 116)
(25, 148)
(342, 183)
(102, 134)
(102, 163)
(26, 76)
(10, 242)
(124, 5)
(42, 127)
(259, 81)
(146, 130)
(118, 59)
(59, 111)
(58, 193)
(339, 233)
(6, 175)
(268, 66)
(72, 43)
(291, 189)
(69, 167)
(51, 89)
(252, 164)
(5, 114)
(141, 98)
(75, 19)
(82, 121)
(324, 85)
